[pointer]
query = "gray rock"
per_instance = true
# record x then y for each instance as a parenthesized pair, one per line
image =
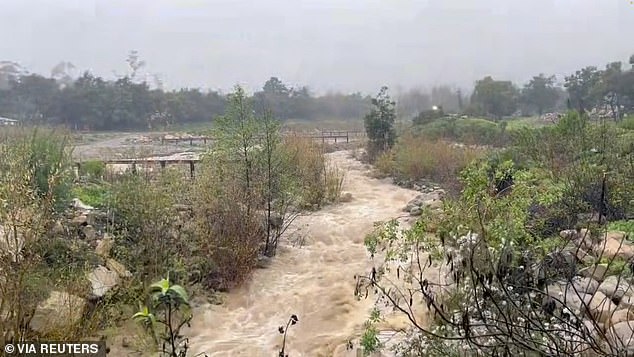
(615, 287)
(59, 312)
(614, 245)
(416, 211)
(584, 285)
(621, 335)
(601, 307)
(118, 268)
(596, 272)
(621, 316)
(568, 234)
(104, 246)
(102, 280)
(564, 295)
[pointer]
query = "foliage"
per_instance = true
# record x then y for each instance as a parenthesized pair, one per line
(143, 219)
(89, 102)
(94, 169)
(166, 313)
(321, 182)
(33, 181)
(495, 98)
(379, 124)
(428, 116)
(95, 195)
(540, 94)
(501, 247)
(471, 131)
(416, 157)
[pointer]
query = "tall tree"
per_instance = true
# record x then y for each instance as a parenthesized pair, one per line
(612, 88)
(237, 132)
(581, 88)
(495, 98)
(379, 124)
(540, 93)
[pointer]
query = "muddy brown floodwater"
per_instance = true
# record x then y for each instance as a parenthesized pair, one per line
(315, 281)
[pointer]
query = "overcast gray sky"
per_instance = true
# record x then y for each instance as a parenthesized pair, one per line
(347, 45)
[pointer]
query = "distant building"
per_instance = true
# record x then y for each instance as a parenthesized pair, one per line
(7, 121)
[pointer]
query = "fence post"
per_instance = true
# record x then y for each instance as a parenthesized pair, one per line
(191, 168)
(347, 137)
(162, 164)
(134, 168)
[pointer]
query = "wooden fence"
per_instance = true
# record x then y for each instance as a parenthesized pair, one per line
(162, 162)
(324, 135)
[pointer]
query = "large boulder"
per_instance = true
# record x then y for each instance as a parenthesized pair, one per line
(584, 285)
(615, 245)
(564, 295)
(615, 287)
(102, 280)
(59, 312)
(621, 335)
(596, 272)
(601, 307)
(621, 316)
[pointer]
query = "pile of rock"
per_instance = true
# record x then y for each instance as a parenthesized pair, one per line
(594, 292)
(431, 200)
(61, 309)
(551, 118)
(418, 185)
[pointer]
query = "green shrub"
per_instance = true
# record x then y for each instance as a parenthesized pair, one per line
(468, 131)
(92, 169)
(415, 157)
(627, 122)
(96, 195)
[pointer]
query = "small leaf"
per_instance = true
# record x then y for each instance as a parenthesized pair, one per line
(281, 329)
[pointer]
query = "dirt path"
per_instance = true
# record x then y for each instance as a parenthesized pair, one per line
(315, 282)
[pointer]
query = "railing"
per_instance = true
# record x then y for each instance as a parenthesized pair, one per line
(324, 135)
(162, 162)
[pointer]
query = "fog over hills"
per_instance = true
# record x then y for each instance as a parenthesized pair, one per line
(352, 45)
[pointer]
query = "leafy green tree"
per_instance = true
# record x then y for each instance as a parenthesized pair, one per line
(540, 94)
(495, 98)
(581, 88)
(612, 88)
(379, 124)
(237, 134)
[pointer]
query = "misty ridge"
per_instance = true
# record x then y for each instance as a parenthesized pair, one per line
(137, 100)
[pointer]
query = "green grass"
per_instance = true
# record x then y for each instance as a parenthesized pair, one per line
(527, 122)
(625, 226)
(95, 195)
(627, 122)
